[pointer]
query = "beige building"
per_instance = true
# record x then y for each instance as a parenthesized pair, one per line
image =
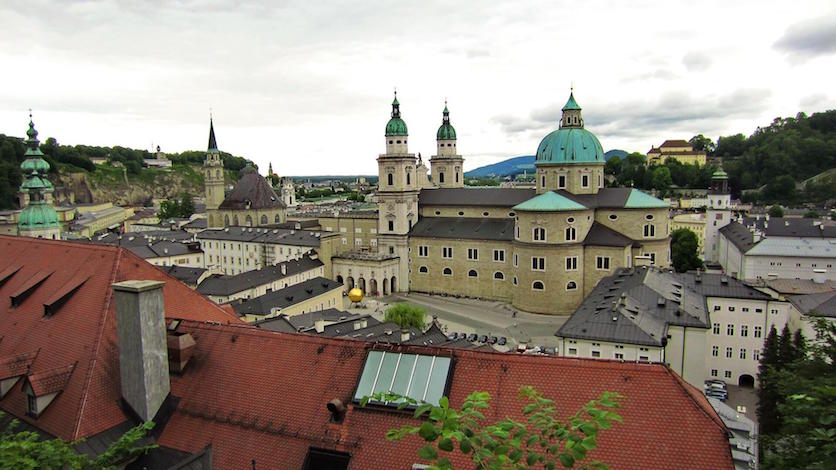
(313, 295)
(250, 284)
(679, 150)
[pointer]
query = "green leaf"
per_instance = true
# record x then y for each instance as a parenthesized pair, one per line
(444, 403)
(530, 408)
(567, 460)
(446, 444)
(428, 453)
(465, 446)
(531, 459)
(428, 432)
(422, 409)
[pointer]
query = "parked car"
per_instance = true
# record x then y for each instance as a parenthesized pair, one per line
(494, 339)
(720, 395)
(472, 337)
(483, 339)
(452, 336)
(502, 341)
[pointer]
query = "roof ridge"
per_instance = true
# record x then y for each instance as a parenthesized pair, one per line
(74, 243)
(684, 386)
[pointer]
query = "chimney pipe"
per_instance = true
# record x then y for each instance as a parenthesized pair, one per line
(143, 355)
(337, 410)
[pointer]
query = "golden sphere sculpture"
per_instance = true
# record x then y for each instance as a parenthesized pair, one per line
(355, 295)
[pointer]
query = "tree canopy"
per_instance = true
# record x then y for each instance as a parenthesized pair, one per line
(176, 207)
(685, 251)
(406, 315)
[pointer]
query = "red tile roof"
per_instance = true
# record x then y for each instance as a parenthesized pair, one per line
(80, 330)
(16, 365)
(676, 143)
(250, 392)
(50, 381)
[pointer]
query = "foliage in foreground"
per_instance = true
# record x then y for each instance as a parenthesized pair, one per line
(406, 315)
(543, 440)
(797, 399)
(24, 450)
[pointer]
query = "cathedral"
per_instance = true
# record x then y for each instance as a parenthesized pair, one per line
(541, 249)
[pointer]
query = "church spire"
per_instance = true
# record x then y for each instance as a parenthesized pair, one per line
(213, 145)
(38, 218)
(571, 112)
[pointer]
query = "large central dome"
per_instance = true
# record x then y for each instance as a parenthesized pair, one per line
(571, 144)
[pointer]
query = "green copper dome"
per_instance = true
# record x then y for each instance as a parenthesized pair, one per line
(570, 145)
(446, 131)
(38, 165)
(396, 125)
(38, 215)
(720, 175)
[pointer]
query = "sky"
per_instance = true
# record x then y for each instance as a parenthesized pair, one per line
(308, 85)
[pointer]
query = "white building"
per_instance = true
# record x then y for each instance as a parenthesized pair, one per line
(703, 326)
(760, 248)
(251, 284)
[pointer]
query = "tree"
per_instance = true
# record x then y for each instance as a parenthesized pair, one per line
(662, 178)
(613, 166)
(701, 142)
(786, 348)
(776, 211)
(685, 250)
(811, 214)
(406, 315)
(26, 450)
(543, 440)
(171, 208)
(768, 395)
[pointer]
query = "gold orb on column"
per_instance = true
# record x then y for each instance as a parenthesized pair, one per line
(355, 295)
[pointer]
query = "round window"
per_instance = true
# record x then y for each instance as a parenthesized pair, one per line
(649, 217)
(613, 217)
(437, 212)
(461, 213)
(511, 214)
(571, 220)
(485, 214)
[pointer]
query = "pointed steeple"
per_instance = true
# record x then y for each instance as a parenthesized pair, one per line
(38, 218)
(213, 145)
(571, 112)
(396, 126)
(396, 107)
(446, 130)
(270, 169)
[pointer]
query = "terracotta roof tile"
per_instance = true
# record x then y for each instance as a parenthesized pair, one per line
(16, 364)
(50, 381)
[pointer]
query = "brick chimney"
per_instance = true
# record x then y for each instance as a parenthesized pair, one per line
(143, 356)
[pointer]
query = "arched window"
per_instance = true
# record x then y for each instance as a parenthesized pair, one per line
(537, 285)
(408, 178)
(423, 269)
(457, 177)
(472, 273)
(264, 220)
(226, 221)
(539, 234)
(217, 173)
(277, 219)
(649, 230)
(543, 181)
(235, 220)
(498, 275)
(447, 272)
(391, 179)
(249, 221)
(441, 177)
(571, 234)
(571, 285)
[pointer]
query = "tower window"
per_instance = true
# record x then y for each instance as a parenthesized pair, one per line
(649, 230)
(391, 179)
(543, 181)
(571, 234)
(441, 177)
(561, 182)
(457, 177)
(408, 178)
(585, 181)
(539, 234)
(391, 225)
(398, 141)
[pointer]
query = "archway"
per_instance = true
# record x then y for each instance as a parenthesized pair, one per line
(350, 282)
(249, 221)
(393, 285)
(746, 380)
(235, 220)
(264, 220)
(385, 286)
(226, 221)
(373, 287)
(361, 283)
(340, 279)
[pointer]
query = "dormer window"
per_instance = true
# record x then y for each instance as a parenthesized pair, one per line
(420, 377)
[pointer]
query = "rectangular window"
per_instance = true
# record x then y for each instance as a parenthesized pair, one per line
(538, 263)
(730, 329)
(644, 358)
(758, 310)
(716, 328)
(499, 255)
(416, 376)
(619, 355)
(447, 252)
(727, 374)
(561, 182)
(714, 372)
(539, 234)
(391, 225)
(571, 263)
(756, 354)
(744, 330)
(423, 251)
(585, 181)
(716, 308)
(31, 404)
(473, 254)
(742, 353)
(602, 263)
(596, 353)
(516, 260)
(323, 458)
(715, 351)
(728, 352)
(573, 351)
(757, 332)
(745, 309)
(731, 309)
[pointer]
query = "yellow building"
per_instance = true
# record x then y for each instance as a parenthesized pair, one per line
(313, 295)
(694, 222)
(679, 150)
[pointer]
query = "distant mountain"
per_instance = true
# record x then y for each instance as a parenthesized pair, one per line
(516, 165)
(510, 167)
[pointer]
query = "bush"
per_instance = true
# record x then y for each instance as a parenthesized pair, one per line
(406, 315)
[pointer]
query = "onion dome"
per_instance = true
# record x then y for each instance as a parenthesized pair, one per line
(38, 214)
(446, 131)
(571, 144)
(396, 125)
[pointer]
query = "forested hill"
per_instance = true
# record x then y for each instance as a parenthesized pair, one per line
(786, 152)
(69, 159)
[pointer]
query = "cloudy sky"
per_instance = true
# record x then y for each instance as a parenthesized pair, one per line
(307, 85)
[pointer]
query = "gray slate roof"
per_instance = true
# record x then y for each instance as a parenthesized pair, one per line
(286, 297)
(489, 197)
(739, 236)
(184, 274)
(221, 285)
(275, 236)
(821, 304)
(791, 227)
(601, 235)
(252, 192)
(464, 228)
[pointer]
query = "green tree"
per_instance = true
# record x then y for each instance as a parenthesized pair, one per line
(786, 348)
(811, 214)
(406, 315)
(27, 451)
(176, 207)
(768, 394)
(543, 440)
(613, 166)
(701, 142)
(662, 178)
(685, 250)
(776, 211)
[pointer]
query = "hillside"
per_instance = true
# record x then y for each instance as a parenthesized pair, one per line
(516, 165)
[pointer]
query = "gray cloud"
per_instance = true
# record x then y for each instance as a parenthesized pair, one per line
(696, 61)
(809, 38)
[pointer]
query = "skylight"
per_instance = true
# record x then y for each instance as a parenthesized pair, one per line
(419, 377)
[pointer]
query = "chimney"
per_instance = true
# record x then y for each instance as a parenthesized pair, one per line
(180, 348)
(143, 357)
(319, 325)
(819, 275)
(404, 334)
(284, 269)
(361, 323)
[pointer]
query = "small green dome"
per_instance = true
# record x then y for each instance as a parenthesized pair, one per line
(38, 165)
(446, 131)
(38, 216)
(570, 145)
(35, 182)
(396, 126)
(720, 175)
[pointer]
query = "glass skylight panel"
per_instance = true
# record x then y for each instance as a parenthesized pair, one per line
(420, 377)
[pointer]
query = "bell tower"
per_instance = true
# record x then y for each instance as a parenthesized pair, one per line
(213, 174)
(397, 194)
(38, 219)
(446, 166)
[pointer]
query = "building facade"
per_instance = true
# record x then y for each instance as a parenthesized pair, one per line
(679, 150)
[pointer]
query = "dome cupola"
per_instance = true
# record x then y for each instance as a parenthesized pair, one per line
(396, 126)
(570, 144)
(446, 131)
